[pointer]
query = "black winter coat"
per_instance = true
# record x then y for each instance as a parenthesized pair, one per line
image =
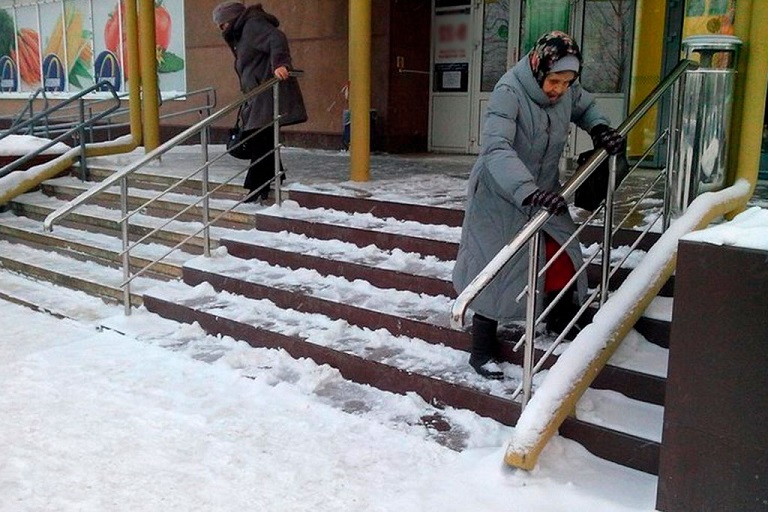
(260, 48)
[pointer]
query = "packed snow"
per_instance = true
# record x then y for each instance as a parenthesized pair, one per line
(129, 420)
(16, 145)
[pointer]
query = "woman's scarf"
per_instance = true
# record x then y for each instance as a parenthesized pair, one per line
(550, 48)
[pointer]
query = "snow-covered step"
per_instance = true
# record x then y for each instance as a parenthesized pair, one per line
(411, 414)
(409, 355)
(88, 276)
(68, 187)
(396, 207)
(156, 176)
(392, 363)
(362, 229)
(617, 412)
(383, 268)
(400, 312)
(59, 301)
(100, 246)
(441, 189)
(37, 205)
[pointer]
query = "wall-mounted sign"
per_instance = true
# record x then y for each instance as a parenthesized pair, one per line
(9, 79)
(453, 47)
(108, 69)
(54, 79)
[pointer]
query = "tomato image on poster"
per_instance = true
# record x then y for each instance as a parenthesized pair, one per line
(115, 38)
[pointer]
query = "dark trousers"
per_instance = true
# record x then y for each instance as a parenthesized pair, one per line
(261, 171)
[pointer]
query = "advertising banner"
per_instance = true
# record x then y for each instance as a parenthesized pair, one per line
(70, 45)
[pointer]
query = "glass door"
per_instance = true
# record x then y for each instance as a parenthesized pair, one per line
(606, 46)
(498, 24)
(508, 29)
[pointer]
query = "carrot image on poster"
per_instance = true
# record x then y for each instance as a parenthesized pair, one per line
(19, 53)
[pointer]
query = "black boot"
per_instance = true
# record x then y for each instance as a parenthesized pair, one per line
(485, 347)
(562, 313)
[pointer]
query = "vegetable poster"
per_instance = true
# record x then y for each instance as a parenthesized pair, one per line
(69, 45)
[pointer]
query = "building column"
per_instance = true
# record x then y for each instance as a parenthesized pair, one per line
(360, 89)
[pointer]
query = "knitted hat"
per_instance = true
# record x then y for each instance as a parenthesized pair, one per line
(227, 11)
(567, 63)
(549, 49)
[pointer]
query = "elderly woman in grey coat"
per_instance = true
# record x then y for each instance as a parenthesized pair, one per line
(517, 173)
(261, 51)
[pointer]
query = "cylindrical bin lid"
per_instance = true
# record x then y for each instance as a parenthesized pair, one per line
(708, 45)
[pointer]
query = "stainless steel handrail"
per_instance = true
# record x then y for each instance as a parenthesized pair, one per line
(30, 107)
(530, 235)
(120, 179)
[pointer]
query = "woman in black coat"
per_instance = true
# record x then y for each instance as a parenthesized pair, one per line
(261, 51)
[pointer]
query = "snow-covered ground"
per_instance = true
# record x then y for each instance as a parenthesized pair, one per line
(94, 420)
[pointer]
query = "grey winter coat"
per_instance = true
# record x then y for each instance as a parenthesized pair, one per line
(523, 139)
(260, 48)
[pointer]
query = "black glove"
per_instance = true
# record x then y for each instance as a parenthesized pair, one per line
(550, 201)
(603, 136)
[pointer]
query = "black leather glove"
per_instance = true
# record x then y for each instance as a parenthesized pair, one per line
(605, 137)
(550, 201)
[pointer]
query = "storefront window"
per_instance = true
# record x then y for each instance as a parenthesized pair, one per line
(542, 16)
(495, 42)
(607, 45)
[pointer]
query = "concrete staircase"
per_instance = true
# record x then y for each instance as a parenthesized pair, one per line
(360, 284)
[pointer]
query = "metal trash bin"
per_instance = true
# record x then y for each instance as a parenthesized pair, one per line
(706, 103)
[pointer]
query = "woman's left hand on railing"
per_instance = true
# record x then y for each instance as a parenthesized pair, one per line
(603, 136)
(551, 201)
(281, 73)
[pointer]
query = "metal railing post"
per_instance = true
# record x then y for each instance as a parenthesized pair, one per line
(81, 134)
(204, 191)
(126, 245)
(276, 142)
(530, 316)
(672, 151)
(608, 229)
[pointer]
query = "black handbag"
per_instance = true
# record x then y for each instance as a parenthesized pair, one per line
(235, 145)
(592, 192)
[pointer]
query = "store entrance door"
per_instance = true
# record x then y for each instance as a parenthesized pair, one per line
(508, 29)
(475, 42)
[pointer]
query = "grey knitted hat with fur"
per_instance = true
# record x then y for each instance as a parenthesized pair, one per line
(227, 11)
